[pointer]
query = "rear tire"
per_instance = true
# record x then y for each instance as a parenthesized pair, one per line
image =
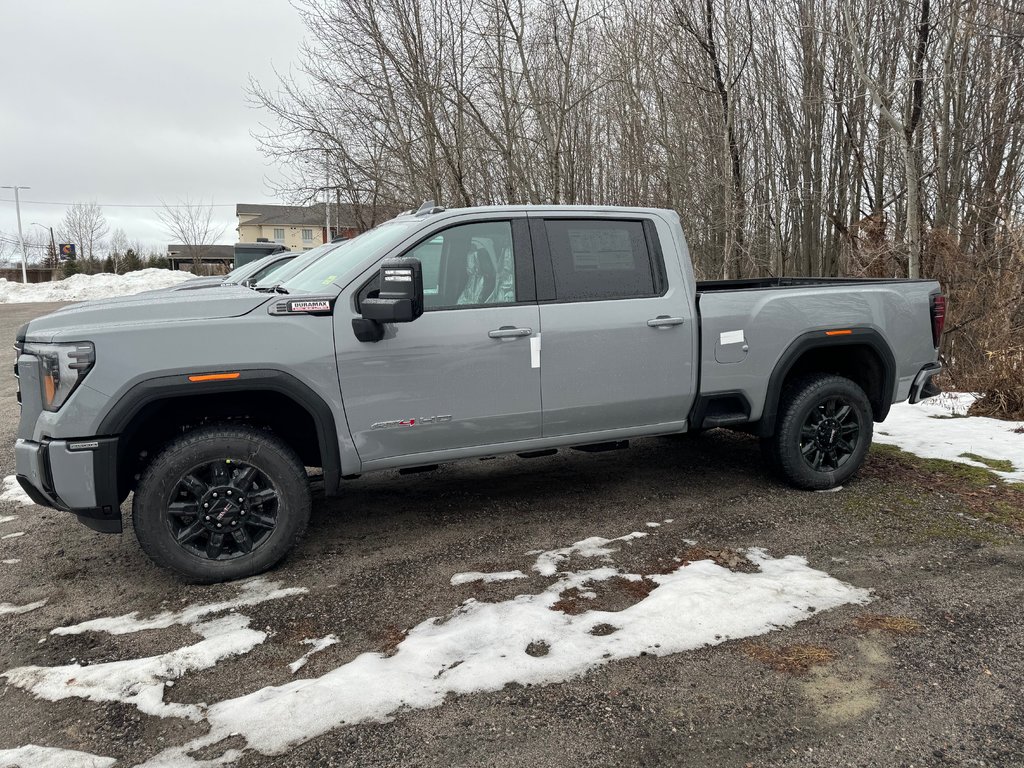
(823, 433)
(221, 503)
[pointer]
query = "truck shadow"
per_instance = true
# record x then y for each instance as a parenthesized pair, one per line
(703, 469)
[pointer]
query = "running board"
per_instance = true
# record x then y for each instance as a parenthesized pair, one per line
(614, 445)
(537, 454)
(417, 470)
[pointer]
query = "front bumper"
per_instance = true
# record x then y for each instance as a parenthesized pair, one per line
(76, 476)
(924, 385)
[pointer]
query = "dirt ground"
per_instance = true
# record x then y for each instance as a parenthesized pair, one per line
(931, 672)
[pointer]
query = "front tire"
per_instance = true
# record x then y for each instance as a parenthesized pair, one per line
(221, 503)
(823, 432)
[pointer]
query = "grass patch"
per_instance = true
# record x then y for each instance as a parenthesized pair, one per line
(897, 625)
(954, 469)
(1003, 465)
(794, 659)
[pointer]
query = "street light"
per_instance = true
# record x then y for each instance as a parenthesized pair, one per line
(53, 242)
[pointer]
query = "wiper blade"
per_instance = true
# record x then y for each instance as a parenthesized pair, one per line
(280, 289)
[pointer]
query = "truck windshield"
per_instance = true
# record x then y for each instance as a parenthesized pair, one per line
(345, 256)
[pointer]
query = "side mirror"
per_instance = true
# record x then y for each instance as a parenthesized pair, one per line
(401, 293)
(400, 299)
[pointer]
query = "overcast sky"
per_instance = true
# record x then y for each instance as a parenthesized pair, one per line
(136, 102)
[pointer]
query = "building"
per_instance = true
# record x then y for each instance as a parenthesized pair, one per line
(216, 259)
(297, 227)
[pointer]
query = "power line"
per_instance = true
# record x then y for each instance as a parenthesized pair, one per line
(126, 205)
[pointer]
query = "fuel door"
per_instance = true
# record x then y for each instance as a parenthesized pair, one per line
(731, 347)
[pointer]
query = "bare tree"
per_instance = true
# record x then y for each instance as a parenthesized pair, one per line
(191, 223)
(118, 248)
(85, 225)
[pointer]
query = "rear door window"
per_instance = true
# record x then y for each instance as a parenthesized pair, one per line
(594, 260)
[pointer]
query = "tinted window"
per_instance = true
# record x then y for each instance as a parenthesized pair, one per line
(470, 265)
(599, 259)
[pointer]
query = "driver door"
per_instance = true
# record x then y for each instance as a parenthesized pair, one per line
(462, 375)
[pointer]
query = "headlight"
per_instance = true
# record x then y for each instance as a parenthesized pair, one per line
(61, 368)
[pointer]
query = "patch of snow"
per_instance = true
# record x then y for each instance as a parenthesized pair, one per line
(596, 546)
(140, 682)
(89, 287)
(6, 608)
(916, 429)
(14, 535)
(480, 647)
(318, 645)
(470, 576)
(32, 756)
(7, 518)
(837, 489)
(12, 561)
(13, 492)
(654, 525)
(254, 591)
(670, 520)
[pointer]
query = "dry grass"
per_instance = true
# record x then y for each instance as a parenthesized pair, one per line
(792, 659)
(897, 625)
(390, 639)
(614, 594)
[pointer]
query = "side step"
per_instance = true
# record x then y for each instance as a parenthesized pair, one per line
(537, 454)
(614, 445)
(723, 420)
(417, 470)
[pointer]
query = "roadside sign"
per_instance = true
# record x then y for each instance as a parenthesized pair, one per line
(67, 251)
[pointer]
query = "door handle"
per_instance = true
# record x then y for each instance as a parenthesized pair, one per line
(509, 332)
(664, 321)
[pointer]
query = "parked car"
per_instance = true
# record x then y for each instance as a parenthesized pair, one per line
(444, 335)
(247, 274)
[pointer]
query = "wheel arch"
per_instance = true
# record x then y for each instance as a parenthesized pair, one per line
(862, 355)
(177, 395)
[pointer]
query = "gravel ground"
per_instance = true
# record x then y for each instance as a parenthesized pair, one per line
(931, 672)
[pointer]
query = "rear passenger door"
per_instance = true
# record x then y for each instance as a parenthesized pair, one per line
(617, 332)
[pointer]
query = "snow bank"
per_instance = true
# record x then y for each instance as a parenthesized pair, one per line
(13, 492)
(318, 644)
(470, 576)
(140, 682)
(31, 756)
(480, 647)
(937, 428)
(6, 608)
(89, 287)
(252, 592)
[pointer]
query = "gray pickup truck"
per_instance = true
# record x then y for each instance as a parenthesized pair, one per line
(444, 335)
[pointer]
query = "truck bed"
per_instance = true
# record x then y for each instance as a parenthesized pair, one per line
(762, 283)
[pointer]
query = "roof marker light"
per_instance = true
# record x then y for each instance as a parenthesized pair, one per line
(840, 332)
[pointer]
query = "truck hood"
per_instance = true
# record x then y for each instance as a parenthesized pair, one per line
(77, 320)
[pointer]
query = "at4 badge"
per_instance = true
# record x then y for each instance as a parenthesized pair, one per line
(411, 422)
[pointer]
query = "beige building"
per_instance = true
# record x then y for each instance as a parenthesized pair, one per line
(296, 227)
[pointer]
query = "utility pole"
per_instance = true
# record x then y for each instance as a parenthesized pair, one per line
(17, 208)
(53, 244)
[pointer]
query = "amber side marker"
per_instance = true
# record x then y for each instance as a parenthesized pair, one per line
(843, 332)
(215, 376)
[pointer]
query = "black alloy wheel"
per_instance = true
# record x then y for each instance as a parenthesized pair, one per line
(822, 433)
(221, 502)
(223, 509)
(830, 435)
